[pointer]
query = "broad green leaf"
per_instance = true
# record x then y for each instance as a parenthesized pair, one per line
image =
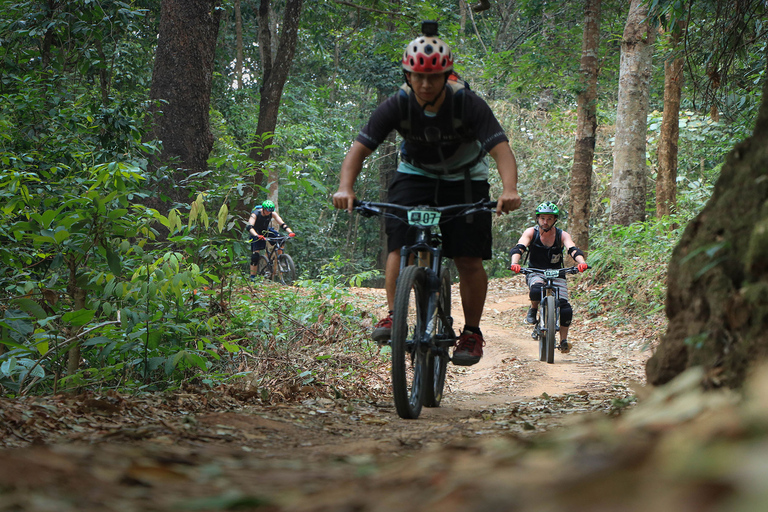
(117, 214)
(79, 317)
(113, 260)
(97, 340)
(61, 235)
(31, 307)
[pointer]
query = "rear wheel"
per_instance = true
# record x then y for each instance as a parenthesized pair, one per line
(409, 356)
(550, 324)
(286, 269)
(437, 358)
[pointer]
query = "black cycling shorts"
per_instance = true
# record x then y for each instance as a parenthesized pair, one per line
(460, 238)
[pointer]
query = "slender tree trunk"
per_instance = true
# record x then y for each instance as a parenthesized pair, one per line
(628, 186)
(239, 44)
(586, 127)
(78, 296)
(666, 180)
(275, 74)
(181, 88)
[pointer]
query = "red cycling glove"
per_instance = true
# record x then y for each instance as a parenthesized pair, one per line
(515, 268)
(291, 235)
(582, 267)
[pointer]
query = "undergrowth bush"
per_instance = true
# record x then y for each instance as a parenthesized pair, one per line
(628, 274)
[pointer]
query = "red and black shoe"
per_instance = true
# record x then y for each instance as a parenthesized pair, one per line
(382, 331)
(469, 350)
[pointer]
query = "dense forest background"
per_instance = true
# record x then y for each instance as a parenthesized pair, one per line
(136, 136)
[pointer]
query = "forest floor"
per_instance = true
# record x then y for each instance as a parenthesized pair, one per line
(512, 433)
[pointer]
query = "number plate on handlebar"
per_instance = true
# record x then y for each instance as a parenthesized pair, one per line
(551, 274)
(424, 218)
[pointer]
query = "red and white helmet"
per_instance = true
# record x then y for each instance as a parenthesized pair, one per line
(427, 54)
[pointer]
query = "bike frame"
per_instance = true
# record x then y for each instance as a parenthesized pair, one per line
(421, 262)
(278, 244)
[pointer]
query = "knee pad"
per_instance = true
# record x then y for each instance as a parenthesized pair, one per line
(535, 292)
(255, 258)
(566, 313)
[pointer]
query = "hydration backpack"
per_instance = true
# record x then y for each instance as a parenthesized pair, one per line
(458, 87)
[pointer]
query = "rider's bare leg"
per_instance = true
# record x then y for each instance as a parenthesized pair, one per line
(473, 287)
(391, 271)
(563, 332)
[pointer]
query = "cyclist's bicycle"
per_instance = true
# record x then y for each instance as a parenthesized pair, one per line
(548, 322)
(275, 264)
(422, 326)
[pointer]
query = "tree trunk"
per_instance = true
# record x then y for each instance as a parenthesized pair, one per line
(181, 88)
(239, 45)
(666, 180)
(586, 127)
(78, 296)
(628, 186)
(275, 74)
(717, 290)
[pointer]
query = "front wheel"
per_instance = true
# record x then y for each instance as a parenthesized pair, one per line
(409, 355)
(551, 326)
(437, 358)
(264, 268)
(286, 269)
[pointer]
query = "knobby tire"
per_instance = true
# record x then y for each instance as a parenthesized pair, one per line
(551, 325)
(437, 359)
(286, 269)
(263, 266)
(409, 365)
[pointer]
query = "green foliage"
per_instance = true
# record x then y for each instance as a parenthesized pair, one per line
(628, 266)
(153, 300)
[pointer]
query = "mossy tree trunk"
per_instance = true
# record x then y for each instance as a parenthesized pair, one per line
(717, 297)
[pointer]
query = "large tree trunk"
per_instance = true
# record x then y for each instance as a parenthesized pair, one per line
(275, 74)
(717, 293)
(628, 186)
(666, 180)
(584, 153)
(181, 79)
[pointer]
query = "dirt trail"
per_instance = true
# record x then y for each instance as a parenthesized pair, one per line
(283, 457)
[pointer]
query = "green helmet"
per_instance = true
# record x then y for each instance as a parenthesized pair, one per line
(547, 207)
(268, 205)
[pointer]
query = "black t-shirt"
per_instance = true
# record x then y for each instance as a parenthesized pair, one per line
(480, 129)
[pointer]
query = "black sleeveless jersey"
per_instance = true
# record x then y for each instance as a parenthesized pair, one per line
(261, 224)
(542, 256)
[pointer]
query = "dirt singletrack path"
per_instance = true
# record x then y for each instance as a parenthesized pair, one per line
(510, 370)
(321, 454)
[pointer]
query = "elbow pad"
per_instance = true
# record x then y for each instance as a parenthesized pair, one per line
(575, 251)
(518, 249)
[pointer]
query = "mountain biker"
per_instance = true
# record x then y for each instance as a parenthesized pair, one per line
(438, 166)
(261, 231)
(545, 250)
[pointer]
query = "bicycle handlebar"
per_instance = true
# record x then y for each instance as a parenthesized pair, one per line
(371, 208)
(562, 271)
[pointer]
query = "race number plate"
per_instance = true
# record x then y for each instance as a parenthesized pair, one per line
(426, 218)
(551, 274)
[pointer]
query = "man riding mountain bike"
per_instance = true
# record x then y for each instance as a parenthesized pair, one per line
(545, 243)
(447, 131)
(261, 231)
